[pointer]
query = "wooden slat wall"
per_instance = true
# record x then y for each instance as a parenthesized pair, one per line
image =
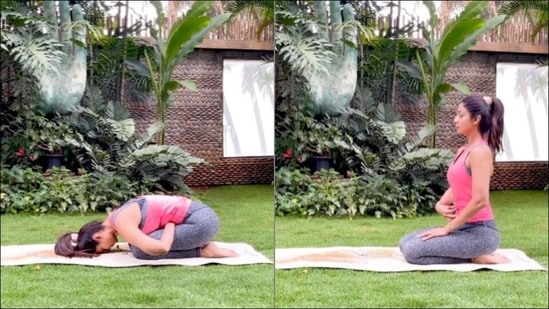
(243, 29)
(514, 35)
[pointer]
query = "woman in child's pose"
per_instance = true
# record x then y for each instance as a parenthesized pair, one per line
(155, 226)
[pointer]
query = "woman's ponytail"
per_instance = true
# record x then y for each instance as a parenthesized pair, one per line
(495, 133)
(83, 245)
(64, 245)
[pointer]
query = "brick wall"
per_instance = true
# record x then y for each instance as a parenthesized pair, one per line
(478, 71)
(195, 121)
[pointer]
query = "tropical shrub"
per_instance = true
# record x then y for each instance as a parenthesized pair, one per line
(108, 142)
(106, 160)
(439, 54)
(28, 135)
(27, 189)
(328, 193)
(166, 53)
(387, 175)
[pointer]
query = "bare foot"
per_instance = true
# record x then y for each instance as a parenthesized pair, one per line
(490, 259)
(211, 250)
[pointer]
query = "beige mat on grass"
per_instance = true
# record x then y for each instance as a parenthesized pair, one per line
(386, 259)
(43, 254)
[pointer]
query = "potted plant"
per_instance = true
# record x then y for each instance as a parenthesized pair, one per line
(320, 153)
(46, 140)
(318, 140)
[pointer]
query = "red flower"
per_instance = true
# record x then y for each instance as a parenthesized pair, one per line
(288, 154)
(31, 157)
(20, 152)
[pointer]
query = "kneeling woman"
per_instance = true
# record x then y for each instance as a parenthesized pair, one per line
(471, 235)
(155, 227)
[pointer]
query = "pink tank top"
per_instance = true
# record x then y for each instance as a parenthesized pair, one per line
(460, 180)
(161, 209)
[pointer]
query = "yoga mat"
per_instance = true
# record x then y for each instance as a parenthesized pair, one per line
(387, 259)
(122, 257)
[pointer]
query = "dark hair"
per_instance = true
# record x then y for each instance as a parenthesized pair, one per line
(490, 110)
(85, 244)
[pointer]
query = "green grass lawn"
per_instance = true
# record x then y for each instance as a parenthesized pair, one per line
(522, 218)
(246, 215)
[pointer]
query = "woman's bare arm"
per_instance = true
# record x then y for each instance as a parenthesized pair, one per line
(127, 226)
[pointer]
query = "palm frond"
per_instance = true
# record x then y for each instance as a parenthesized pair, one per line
(537, 13)
(262, 12)
(514, 7)
(239, 6)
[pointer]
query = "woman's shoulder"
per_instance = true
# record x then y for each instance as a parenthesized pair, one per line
(481, 151)
(165, 200)
(163, 197)
(128, 211)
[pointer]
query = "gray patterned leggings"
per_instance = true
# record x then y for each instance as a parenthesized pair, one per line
(460, 246)
(199, 227)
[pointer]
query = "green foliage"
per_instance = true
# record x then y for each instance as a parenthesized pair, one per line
(107, 67)
(262, 11)
(100, 138)
(301, 40)
(328, 193)
(25, 189)
(166, 54)
(387, 175)
(45, 135)
(28, 46)
(297, 193)
(314, 138)
(303, 48)
(27, 131)
(536, 11)
(25, 52)
(108, 142)
(380, 66)
(440, 54)
(161, 167)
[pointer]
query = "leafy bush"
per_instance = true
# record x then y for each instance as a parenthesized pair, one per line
(108, 142)
(27, 134)
(25, 189)
(389, 174)
(300, 194)
(328, 193)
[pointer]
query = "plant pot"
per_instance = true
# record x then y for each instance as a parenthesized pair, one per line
(320, 162)
(51, 160)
